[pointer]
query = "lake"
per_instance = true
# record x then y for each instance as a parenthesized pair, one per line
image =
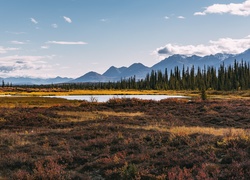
(105, 98)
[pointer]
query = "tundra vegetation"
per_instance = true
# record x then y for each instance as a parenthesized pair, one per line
(52, 138)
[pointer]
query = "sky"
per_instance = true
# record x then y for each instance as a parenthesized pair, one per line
(68, 38)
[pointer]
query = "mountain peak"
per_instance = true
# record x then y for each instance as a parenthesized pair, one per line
(246, 51)
(90, 77)
(112, 71)
(92, 73)
(181, 56)
(137, 65)
(222, 56)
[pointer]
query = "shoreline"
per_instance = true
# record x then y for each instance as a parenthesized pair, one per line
(243, 94)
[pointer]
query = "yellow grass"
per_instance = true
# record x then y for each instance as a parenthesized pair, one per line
(51, 92)
(77, 116)
(12, 139)
(33, 101)
(95, 115)
(61, 92)
(121, 114)
(228, 133)
(209, 130)
(2, 119)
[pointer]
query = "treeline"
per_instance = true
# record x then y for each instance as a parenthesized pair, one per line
(232, 77)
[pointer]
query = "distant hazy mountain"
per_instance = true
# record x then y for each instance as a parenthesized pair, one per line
(90, 77)
(171, 62)
(114, 72)
(245, 56)
(136, 69)
(34, 81)
(139, 70)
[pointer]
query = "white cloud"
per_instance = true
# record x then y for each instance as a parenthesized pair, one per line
(33, 21)
(222, 45)
(199, 13)
(4, 50)
(166, 17)
(67, 19)
(14, 58)
(67, 42)
(54, 26)
(240, 9)
(17, 42)
(181, 17)
(44, 47)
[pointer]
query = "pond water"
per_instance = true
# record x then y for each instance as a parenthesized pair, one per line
(105, 98)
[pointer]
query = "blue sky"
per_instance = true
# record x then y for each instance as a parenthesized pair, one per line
(68, 38)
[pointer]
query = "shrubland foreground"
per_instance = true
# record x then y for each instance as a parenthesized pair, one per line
(125, 139)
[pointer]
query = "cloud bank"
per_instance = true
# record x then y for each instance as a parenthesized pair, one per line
(22, 65)
(222, 45)
(240, 9)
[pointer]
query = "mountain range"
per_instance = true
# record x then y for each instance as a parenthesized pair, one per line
(139, 70)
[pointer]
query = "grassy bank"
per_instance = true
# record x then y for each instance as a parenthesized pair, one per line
(60, 92)
(34, 101)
